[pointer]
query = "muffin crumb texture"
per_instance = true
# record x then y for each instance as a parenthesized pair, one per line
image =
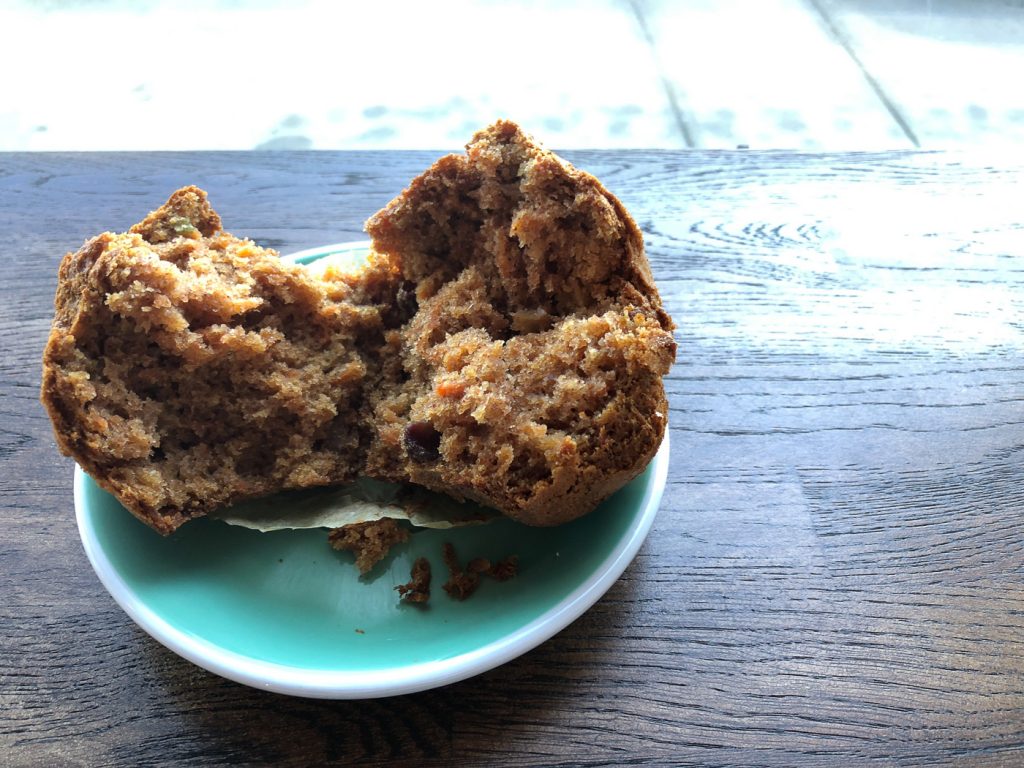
(370, 542)
(505, 343)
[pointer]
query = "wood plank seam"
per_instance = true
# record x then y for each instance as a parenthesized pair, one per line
(670, 91)
(871, 80)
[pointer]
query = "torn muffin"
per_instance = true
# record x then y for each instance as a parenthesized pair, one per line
(505, 344)
(529, 378)
(188, 369)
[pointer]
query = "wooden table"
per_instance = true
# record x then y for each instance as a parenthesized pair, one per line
(837, 571)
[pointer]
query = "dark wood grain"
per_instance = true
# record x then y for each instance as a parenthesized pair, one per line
(837, 572)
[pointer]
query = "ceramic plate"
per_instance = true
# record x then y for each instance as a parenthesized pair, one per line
(282, 611)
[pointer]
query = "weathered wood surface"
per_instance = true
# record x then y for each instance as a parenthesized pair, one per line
(836, 575)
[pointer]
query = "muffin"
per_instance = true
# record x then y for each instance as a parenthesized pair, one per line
(505, 344)
(188, 369)
(531, 370)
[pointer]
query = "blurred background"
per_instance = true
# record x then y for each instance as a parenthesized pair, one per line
(322, 74)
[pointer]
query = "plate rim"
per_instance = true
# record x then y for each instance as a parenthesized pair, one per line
(391, 681)
(296, 257)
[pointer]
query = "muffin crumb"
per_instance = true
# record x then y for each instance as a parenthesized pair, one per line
(503, 570)
(463, 583)
(417, 589)
(370, 542)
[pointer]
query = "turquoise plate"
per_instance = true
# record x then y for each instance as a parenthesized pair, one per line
(284, 612)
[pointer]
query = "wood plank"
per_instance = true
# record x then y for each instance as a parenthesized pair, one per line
(836, 572)
(768, 75)
(950, 68)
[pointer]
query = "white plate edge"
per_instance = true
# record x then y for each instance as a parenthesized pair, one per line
(336, 684)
